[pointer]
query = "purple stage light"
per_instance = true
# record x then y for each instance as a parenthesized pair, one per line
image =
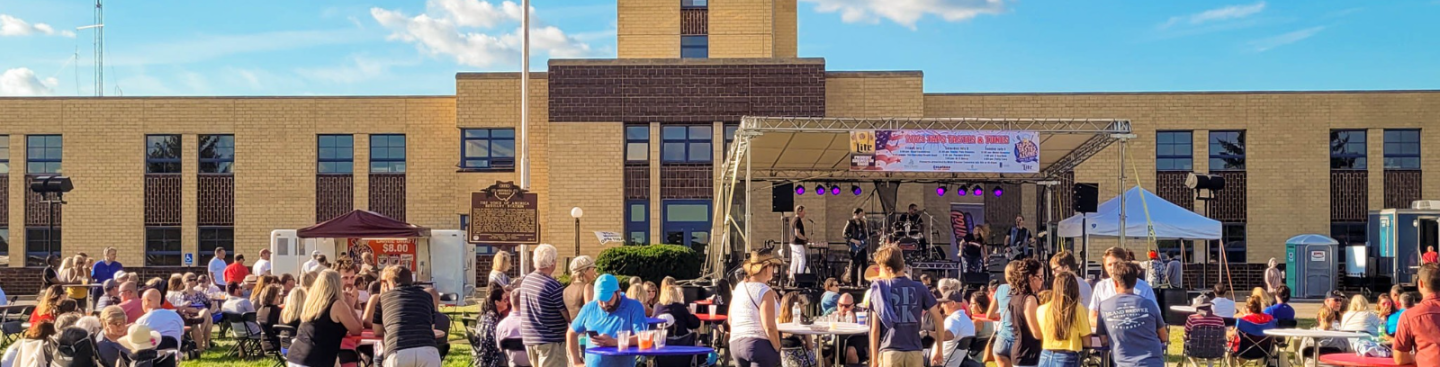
(998, 191)
(799, 190)
(855, 189)
(940, 191)
(961, 191)
(834, 190)
(819, 190)
(978, 191)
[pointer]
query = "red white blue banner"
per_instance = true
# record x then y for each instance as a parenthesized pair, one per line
(962, 151)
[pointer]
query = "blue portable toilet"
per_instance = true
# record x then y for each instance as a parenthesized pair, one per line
(1310, 265)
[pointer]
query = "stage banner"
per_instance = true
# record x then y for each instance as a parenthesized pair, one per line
(387, 251)
(945, 151)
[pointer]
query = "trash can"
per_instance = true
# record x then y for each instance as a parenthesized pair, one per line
(1310, 265)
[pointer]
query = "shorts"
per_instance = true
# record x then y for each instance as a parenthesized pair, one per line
(1002, 347)
(1059, 358)
(890, 358)
(756, 352)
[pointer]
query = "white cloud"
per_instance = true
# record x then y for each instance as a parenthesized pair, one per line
(1266, 44)
(12, 26)
(23, 82)
(464, 30)
(1214, 15)
(907, 12)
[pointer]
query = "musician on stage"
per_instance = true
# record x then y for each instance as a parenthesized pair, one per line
(911, 217)
(857, 235)
(972, 249)
(1019, 238)
(797, 244)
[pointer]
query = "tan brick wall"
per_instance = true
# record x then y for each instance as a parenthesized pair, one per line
(786, 29)
(597, 149)
(649, 29)
(1287, 139)
(874, 94)
(742, 28)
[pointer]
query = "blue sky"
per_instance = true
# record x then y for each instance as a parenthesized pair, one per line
(264, 47)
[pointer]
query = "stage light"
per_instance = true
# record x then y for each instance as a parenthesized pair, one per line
(834, 189)
(998, 191)
(855, 189)
(940, 191)
(819, 189)
(799, 190)
(977, 190)
(961, 191)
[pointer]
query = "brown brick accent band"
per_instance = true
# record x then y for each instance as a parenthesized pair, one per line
(687, 181)
(387, 195)
(1349, 195)
(681, 91)
(334, 196)
(1170, 185)
(37, 213)
(162, 200)
(215, 200)
(1401, 188)
(694, 21)
(637, 182)
(1229, 203)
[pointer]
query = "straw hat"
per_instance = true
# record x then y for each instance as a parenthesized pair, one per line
(759, 259)
(140, 338)
(872, 272)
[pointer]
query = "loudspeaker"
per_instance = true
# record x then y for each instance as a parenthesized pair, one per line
(1084, 197)
(806, 280)
(782, 197)
(975, 278)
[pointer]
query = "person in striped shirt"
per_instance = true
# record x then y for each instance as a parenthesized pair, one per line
(541, 306)
(1203, 315)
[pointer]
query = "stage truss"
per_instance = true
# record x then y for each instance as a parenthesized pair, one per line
(785, 147)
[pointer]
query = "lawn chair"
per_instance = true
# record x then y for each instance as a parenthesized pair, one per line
(1254, 345)
(75, 348)
(273, 344)
(10, 329)
(474, 347)
(147, 358)
(245, 341)
(1205, 343)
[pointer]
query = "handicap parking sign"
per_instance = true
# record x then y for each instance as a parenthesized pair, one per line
(189, 259)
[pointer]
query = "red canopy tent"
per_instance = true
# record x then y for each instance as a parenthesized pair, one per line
(363, 224)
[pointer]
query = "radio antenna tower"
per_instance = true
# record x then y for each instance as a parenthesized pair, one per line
(99, 28)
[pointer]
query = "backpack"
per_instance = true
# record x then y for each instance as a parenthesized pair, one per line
(75, 348)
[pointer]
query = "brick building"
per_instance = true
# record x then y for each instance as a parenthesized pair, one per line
(634, 141)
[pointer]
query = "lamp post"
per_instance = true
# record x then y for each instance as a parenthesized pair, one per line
(576, 213)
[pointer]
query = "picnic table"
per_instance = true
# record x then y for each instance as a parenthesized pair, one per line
(828, 328)
(1352, 360)
(1310, 335)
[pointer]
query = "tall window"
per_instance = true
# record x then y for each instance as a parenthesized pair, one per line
(1347, 149)
(487, 149)
(4, 246)
(1402, 149)
(695, 47)
(1227, 150)
(1173, 151)
(1233, 236)
(729, 133)
(217, 154)
(637, 222)
(162, 154)
(43, 154)
(162, 246)
(38, 245)
(4, 154)
(216, 237)
(686, 223)
(337, 154)
(685, 144)
(387, 153)
(637, 144)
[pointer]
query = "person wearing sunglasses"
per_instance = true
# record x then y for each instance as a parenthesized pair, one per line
(857, 347)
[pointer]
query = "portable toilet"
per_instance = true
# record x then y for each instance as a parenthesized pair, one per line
(1310, 265)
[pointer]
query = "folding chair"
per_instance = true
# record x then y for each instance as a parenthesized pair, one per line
(1205, 343)
(245, 341)
(513, 344)
(1254, 345)
(10, 330)
(272, 344)
(474, 347)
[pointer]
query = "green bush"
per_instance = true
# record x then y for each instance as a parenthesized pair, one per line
(650, 262)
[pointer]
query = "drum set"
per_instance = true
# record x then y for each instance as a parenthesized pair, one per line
(910, 232)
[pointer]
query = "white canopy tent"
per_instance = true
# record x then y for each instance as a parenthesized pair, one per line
(1170, 221)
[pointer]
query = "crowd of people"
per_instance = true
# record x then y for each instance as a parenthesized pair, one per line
(318, 315)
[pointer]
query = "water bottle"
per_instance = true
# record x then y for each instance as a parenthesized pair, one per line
(795, 313)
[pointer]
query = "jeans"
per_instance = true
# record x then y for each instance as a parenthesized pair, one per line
(1002, 347)
(1059, 358)
(857, 267)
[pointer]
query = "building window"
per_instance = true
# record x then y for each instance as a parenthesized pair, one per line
(487, 149)
(686, 223)
(337, 154)
(43, 154)
(1232, 236)
(4, 246)
(729, 133)
(637, 144)
(387, 153)
(39, 245)
(216, 237)
(694, 47)
(637, 222)
(4, 154)
(162, 246)
(1348, 234)
(217, 154)
(1173, 151)
(162, 154)
(685, 144)
(1347, 149)
(1402, 149)
(692, 4)
(1227, 150)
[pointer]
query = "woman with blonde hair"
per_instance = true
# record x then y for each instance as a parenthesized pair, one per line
(498, 266)
(638, 292)
(672, 302)
(46, 304)
(1359, 317)
(114, 328)
(1265, 299)
(1063, 324)
(328, 317)
(795, 351)
(754, 309)
(652, 294)
(294, 303)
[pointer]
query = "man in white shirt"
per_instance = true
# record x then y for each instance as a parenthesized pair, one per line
(314, 262)
(958, 325)
(166, 322)
(1105, 289)
(262, 266)
(217, 267)
(1065, 261)
(1222, 305)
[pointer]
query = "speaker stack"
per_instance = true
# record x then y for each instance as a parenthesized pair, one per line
(782, 197)
(1085, 197)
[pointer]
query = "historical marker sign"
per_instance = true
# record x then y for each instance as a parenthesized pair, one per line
(504, 214)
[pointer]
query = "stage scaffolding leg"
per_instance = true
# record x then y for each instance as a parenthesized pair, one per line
(747, 195)
(1123, 223)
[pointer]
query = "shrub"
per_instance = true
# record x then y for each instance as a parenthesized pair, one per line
(650, 262)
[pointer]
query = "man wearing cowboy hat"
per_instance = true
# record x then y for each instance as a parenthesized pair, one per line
(603, 320)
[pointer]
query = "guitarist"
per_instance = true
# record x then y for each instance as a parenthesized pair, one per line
(857, 236)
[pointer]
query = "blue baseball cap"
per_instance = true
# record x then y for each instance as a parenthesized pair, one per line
(605, 287)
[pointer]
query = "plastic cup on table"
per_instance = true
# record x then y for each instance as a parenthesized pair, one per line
(712, 311)
(647, 340)
(692, 309)
(622, 340)
(660, 335)
(860, 317)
